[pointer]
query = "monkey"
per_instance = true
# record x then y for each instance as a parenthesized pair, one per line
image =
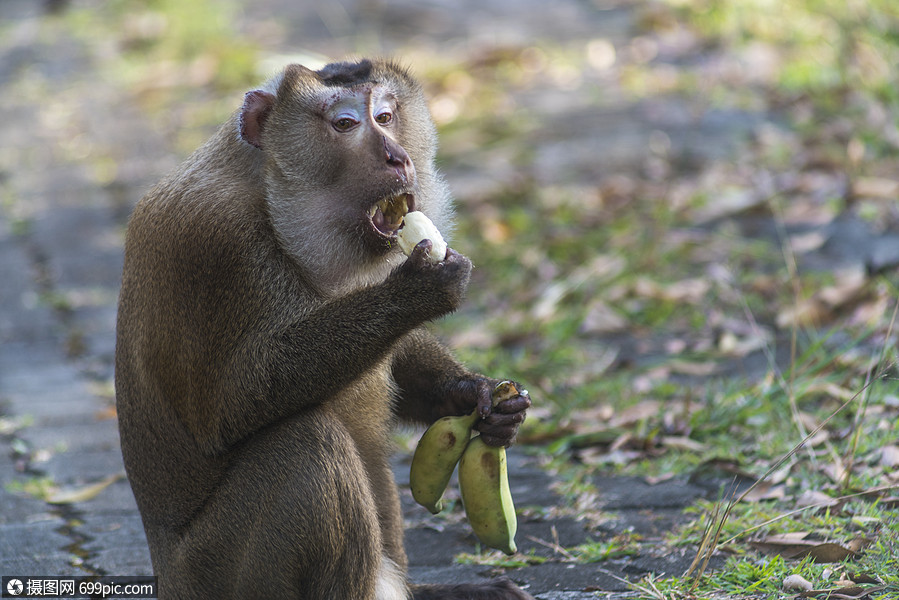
(270, 334)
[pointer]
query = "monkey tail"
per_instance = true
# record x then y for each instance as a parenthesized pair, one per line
(497, 589)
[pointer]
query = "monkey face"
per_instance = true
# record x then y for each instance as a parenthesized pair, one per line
(348, 151)
(366, 160)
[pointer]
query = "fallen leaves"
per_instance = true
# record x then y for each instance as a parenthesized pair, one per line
(73, 495)
(825, 304)
(795, 546)
(847, 586)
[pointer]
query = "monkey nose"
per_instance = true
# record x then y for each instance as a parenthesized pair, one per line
(398, 158)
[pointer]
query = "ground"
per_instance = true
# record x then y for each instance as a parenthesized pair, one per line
(689, 271)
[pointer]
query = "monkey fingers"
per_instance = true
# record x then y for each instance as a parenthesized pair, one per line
(500, 429)
(420, 252)
(516, 404)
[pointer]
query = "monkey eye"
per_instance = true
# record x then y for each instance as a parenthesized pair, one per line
(344, 124)
(384, 118)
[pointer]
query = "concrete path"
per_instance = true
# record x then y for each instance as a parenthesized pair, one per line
(62, 213)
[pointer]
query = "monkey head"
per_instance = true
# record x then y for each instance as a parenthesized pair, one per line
(347, 151)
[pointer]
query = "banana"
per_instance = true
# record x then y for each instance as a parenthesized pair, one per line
(484, 483)
(417, 227)
(435, 458)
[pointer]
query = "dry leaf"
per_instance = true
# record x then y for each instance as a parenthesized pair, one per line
(876, 187)
(766, 490)
(850, 284)
(806, 312)
(546, 304)
(802, 243)
(475, 338)
(623, 440)
(842, 593)
(601, 268)
(639, 412)
(81, 494)
(835, 470)
(586, 419)
(733, 345)
(686, 290)
(862, 578)
(794, 546)
(106, 413)
(858, 544)
(823, 304)
(601, 318)
(729, 203)
(680, 442)
(889, 456)
(699, 369)
(828, 552)
(596, 457)
(828, 388)
(815, 498)
(819, 438)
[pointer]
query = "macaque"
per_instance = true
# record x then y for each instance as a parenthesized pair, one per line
(270, 333)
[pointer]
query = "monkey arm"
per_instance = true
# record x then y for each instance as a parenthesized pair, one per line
(297, 354)
(433, 384)
(320, 353)
(425, 373)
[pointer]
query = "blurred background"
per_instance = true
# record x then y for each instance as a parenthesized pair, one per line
(683, 213)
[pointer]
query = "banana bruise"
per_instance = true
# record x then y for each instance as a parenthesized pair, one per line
(435, 458)
(484, 483)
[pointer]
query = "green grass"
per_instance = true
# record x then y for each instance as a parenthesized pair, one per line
(620, 290)
(536, 284)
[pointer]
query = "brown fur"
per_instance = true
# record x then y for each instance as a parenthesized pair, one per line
(266, 341)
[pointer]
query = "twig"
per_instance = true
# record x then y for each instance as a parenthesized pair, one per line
(554, 546)
(875, 490)
(706, 550)
(849, 459)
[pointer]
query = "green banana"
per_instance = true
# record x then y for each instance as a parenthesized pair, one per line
(484, 483)
(435, 458)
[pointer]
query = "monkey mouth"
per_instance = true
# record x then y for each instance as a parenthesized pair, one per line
(387, 214)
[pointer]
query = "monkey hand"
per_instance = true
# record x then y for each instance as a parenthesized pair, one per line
(498, 423)
(438, 288)
(505, 411)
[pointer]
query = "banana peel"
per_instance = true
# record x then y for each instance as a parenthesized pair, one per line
(484, 483)
(435, 459)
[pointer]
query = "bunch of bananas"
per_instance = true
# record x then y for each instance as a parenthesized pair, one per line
(483, 475)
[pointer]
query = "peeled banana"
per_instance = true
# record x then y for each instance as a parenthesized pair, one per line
(435, 458)
(484, 483)
(417, 227)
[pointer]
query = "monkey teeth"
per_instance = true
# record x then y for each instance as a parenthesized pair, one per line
(387, 214)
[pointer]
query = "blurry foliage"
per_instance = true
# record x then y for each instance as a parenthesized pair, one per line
(650, 312)
(839, 56)
(184, 61)
(189, 43)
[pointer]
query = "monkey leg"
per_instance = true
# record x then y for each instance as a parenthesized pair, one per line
(294, 517)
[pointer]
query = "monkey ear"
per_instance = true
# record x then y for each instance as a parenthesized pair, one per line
(255, 110)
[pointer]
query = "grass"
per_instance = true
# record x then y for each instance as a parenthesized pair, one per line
(608, 292)
(548, 276)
